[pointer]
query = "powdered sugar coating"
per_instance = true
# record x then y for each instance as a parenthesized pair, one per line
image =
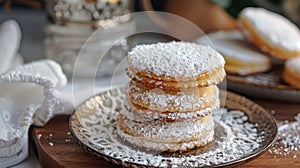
(274, 28)
(169, 132)
(133, 113)
(157, 99)
(293, 64)
(175, 59)
(159, 146)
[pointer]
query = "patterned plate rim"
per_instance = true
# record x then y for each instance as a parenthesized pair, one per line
(229, 97)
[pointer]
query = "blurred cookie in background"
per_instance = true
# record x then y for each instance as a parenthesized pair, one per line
(291, 72)
(271, 32)
(241, 57)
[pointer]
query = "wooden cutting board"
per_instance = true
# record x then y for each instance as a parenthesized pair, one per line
(57, 148)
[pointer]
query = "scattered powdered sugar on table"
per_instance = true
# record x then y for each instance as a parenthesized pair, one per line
(235, 138)
(288, 140)
(39, 136)
(51, 144)
(162, 59)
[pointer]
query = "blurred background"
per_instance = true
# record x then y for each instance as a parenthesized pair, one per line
(30, 14)
(33, 15)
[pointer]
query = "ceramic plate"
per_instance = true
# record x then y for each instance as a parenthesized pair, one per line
(267, 85)
(243, 131)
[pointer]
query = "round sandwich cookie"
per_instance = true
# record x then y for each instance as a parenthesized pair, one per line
(270, 32)
(175, 65)
(167, 136)
(241, 57)
(291, 72)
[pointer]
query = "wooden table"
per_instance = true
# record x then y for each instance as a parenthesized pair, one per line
(57, 148)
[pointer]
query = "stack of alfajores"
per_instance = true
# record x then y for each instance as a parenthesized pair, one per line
(171, 96)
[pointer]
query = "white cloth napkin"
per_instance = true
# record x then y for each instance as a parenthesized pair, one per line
(28, 95)
(10, 37)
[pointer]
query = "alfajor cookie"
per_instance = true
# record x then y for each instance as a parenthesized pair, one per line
(156, 99)
(167, 136)
(175, 65)
(241, 57)
(291, 72)
(270, 32)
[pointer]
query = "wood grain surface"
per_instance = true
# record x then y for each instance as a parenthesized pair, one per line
(57, 148)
